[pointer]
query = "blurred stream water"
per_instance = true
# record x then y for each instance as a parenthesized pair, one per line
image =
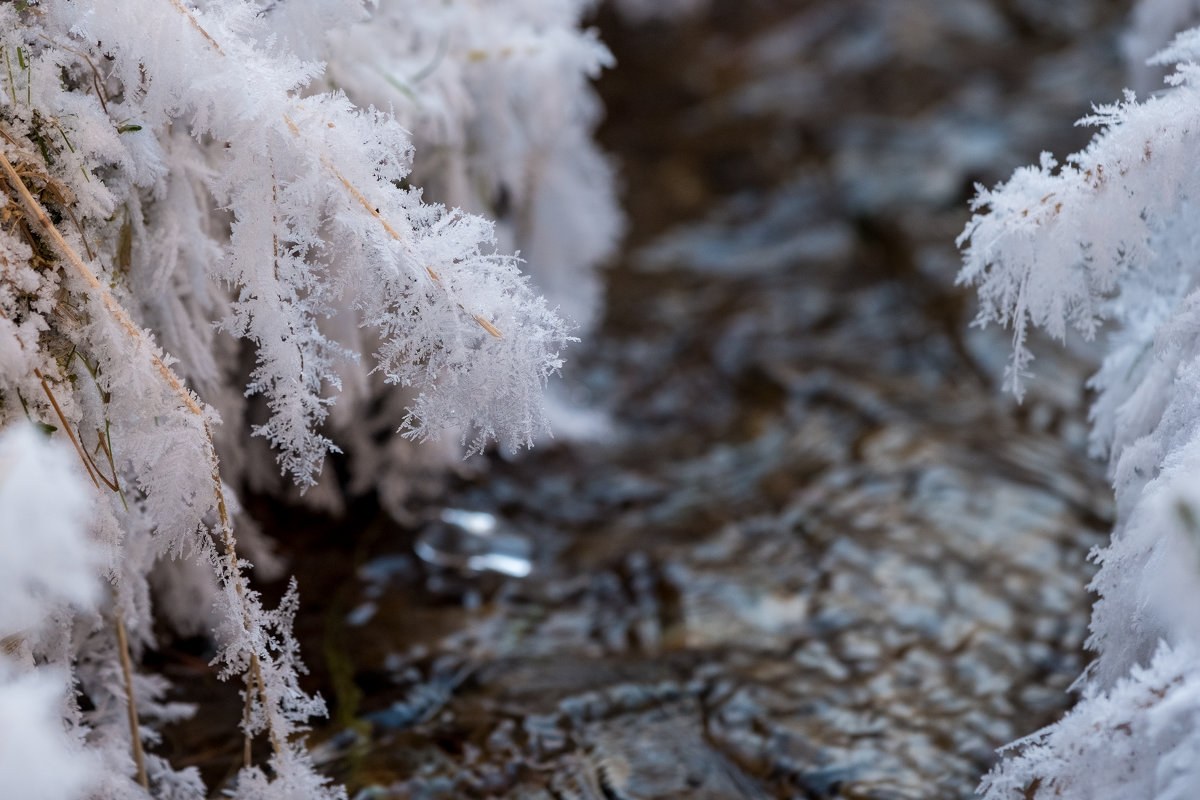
(819, 553)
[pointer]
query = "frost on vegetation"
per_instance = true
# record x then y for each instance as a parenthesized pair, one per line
(1110, 239)
(51, 570)
(1153, 24)
(205, 235)
(496, 98)
(49, 564)
(38, 760)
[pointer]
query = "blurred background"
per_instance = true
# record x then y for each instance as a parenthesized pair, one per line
(794, 541)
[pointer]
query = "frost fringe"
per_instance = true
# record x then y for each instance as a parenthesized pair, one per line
(1110, 238)
(169, 166)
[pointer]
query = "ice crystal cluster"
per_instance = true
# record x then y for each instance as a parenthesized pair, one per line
(1152, 25)
(1109, 239)
(213, 232)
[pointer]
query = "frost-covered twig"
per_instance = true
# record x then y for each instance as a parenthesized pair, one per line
(1111, 238)
(245, 648)
(173, 166)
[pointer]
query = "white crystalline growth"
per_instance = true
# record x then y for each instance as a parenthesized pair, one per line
(38, 761)
(49, 561)
(49, 565)
(1109, 239)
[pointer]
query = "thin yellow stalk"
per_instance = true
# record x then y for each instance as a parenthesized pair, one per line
(183, 10)
(35, 211)
(139, 757)
(67, 427)
(61, 417)
(118, 313)
(487, 326)
(256, 674)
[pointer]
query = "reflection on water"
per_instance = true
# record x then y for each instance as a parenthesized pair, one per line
(473, 541)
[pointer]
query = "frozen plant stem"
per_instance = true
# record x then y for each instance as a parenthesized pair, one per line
(150, 216)
(66, 426)
(61, 418)
(46, 226)
(248, 706)
(139, 758)
(183, 10)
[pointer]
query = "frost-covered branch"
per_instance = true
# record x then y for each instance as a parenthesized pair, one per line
(180, 187)
(1111, 238)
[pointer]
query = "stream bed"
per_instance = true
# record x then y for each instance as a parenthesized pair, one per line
(806, 547)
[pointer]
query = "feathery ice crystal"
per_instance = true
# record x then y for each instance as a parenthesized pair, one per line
(1110, 238)
(185, 183)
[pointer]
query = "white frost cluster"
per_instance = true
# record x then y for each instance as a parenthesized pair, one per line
(498, 100)
(1110, 238)
(498, 103)
(50, 571)
(1152, 25)
(49, 563)
(38, 760)
(213, 223)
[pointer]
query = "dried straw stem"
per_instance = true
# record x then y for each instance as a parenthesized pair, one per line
(61, 417)
(183, 10)
(66, 427)
(139, 757)
(190, 402)
(351, 188)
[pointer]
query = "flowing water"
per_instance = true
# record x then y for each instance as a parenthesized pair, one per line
(813, 551)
